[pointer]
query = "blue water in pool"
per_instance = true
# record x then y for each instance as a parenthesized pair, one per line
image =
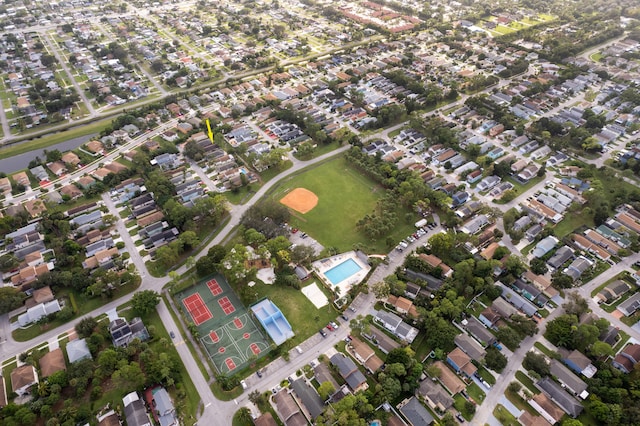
(375, 423)
(342, 271)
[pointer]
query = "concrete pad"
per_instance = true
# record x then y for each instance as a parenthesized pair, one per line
(315, 295)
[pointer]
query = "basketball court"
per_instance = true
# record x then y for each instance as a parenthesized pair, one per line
(227, 332)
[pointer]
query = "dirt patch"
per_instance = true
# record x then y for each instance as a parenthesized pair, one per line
(301, 200)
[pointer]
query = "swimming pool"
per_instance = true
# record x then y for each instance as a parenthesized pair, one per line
(342, 271)
(375, 423)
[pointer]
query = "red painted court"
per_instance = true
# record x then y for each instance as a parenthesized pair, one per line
(254, 348)
(230, 364)
(226, 305)
(214, 287)
(238, 323)
(214, 337)
(197, 309)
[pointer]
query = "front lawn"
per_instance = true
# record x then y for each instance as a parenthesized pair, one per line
(504, 416)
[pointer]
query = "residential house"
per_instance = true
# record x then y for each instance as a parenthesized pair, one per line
(479, 331)
(78, 350)
(475, 225)
(489, 318)
(435, 262)
(378, 337)
(110, 418)
(612, 291)
(517, 300)
(349, 372)
(288, 410)
(71, 191)
(435, 395)
(52, 362)
(309, 397)
(70, 158)
(265, 419)
(544, 246)
(164, 408)
(470, 346)
(22, 378)
(449, 379)
(402, 305)
(560, 257)
(626, 360)
(579, 363)
(322, 374)
(37, 312)
(461, 362)
(395, 325)
(578, 267)
(546, 408)
(558, 395)
(487, 183)
(35, 207)
(528, 419)
(365, 355)
(135, 411)
(415, 413)
(630, 306)
(569, 380)
(58, 168)
(123, 332)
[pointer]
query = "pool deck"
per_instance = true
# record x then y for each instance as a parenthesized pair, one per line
(323, 265)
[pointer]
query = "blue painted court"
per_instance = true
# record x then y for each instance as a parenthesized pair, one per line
(273, 321)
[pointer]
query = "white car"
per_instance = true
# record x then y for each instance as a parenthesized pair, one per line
(243, 384)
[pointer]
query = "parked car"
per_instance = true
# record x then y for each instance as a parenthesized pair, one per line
(323, 333)
(330, 327)
(334, 325)
(259, 374)
(172, 334)
(344, 317)
(243, 384)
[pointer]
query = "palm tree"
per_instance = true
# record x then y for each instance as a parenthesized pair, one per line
(244, 416)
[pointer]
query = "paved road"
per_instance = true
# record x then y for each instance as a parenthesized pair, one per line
(53, 48)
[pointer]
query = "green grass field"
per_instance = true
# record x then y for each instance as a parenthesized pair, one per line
(344, 197)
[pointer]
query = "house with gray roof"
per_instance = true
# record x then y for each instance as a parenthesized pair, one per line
(479, 331)
(558, 395)
(395, 325)
(470, 346)
(518, 301)
(630, 306)
(475, 225)
(569, 380)
(37, 312)
(435, 395)
(309, 397)
(578, 267)
(544, 246)
(560, 257)
(613, 291)
(415, 413)
(164, 407)
(378, 337)
(134, 410)
(78, 350)
(349, 372)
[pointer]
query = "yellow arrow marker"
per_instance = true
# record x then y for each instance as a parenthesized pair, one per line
(209, 132)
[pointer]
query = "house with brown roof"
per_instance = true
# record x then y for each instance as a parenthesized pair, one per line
(71, 191)
(436, 262)
(29, 274)
(95, 147)
(461, 362)
(265, 419)
(21, 178)
(365, 355)
(42, 295)
(52, 362)
(115, 167)
(449, 379)
(35, 207)
(626, 360)
(22, 378)
(288, 410)
(5, 185)
(101, 173)
(70, 158)
(528, 419)
(402, 305)
(58, 168)
(546, 408)
(435, 396)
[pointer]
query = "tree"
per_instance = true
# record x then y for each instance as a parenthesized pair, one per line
(128, 377)
(560, 330)
(381, 289)
(576, 304)
(325, 390)
(144, 302)
(441, 244)
(8, 262)
(495, 360)
(536, 362)
(514, 387)
(302, 254)
(10, 298)
(509, 337)
(524, 326)
(433, 371)
(243, 416)
(600, 349)
(538, 266)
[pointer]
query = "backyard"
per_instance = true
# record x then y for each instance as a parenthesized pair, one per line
(344, 197)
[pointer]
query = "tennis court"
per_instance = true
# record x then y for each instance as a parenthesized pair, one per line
(227, 331)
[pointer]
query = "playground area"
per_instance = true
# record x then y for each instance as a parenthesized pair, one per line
(227, 331)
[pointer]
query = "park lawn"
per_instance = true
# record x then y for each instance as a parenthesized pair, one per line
(503, 29)
(344, 197)
(304, 317)
(504, 416)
